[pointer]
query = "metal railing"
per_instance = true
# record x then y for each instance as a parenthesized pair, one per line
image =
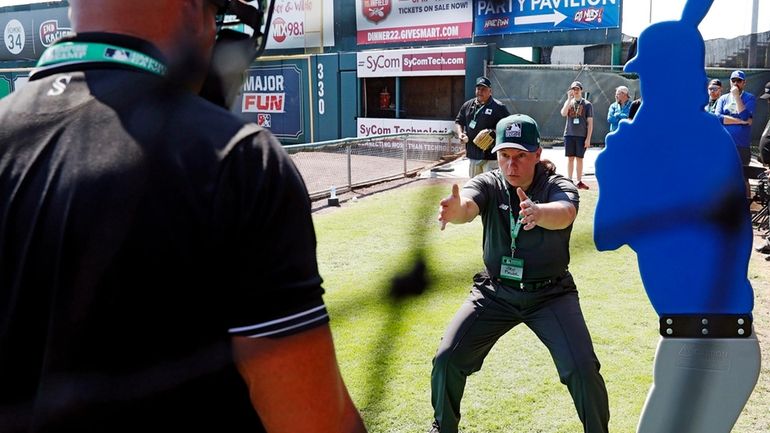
(351, 163)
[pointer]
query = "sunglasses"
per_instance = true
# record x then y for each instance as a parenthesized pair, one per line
(735, 80)
(713, 89)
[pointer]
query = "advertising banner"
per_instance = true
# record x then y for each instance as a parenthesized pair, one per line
(395, 21)
(496, 17)
(272, 97)
(411, 63)
(301, 24)
(6, 3)
(26, 34)
(369, 126)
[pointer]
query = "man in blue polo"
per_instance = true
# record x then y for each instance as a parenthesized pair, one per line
(736, 110)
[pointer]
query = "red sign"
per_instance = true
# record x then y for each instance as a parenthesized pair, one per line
(264, 120)
(411, 62)
(375, 10)
(50, 32)
(589, 15)
(263, 102)
(279, 29)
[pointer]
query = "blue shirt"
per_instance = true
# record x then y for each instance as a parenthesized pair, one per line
(726, 106)
(617, 113)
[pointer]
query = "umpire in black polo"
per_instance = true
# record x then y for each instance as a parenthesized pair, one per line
(527, 211)
(475, 116)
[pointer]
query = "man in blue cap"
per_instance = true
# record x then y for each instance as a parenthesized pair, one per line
(736, 110)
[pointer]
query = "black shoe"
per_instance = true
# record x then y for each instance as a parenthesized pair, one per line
(764, 249)
(434, 428)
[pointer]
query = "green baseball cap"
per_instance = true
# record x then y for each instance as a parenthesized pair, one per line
(517, 131)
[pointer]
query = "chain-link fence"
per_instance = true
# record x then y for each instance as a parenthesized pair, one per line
(355, 162)
(540, 91)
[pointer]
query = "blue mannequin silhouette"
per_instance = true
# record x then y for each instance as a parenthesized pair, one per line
(674, 192)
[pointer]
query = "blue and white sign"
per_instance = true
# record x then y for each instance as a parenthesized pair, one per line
(496, 17)
(272, 98)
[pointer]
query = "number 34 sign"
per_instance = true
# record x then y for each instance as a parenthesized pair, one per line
(26, 34)
(14, 37)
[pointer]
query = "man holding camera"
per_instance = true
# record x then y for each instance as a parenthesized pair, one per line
(577, 130)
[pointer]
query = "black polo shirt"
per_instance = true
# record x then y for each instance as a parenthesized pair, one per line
(486, 116)
(545, 252)
(141, 227)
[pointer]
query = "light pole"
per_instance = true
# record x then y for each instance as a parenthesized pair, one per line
(650, 20)
(752, 61)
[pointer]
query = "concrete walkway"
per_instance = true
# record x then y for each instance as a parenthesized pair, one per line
(459, 168)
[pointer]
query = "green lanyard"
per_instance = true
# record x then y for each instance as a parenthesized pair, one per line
(515, 224)
(85, 52)
(477, 112)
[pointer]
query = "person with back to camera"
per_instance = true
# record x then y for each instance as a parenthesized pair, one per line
(157, 263)
(764, 156)
(715, 91)
(635, 104)
(577, 130)
(475, 126)
(764, 141)
(527, 211)
(620, 108)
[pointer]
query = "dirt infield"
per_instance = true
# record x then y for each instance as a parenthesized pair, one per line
(323, 170)
(321, 205)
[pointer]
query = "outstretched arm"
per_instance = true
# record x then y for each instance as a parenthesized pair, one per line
(551, 216)
(295, 384)
(457, 210)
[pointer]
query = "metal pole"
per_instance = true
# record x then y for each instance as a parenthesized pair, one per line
(406, 144)
(350, 170)
(650, 20)
(752, 61)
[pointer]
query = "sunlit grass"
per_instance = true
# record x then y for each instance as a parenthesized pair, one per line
(385, 347)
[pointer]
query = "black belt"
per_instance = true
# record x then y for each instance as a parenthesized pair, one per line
(525, 286)
(706, 326)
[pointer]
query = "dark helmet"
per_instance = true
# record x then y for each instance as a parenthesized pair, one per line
(235, 51)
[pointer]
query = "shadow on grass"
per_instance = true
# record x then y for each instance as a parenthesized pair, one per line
(403, 287)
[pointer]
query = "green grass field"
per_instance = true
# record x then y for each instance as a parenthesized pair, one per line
(385, 347)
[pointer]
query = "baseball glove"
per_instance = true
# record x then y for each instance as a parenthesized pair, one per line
(485, 139)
